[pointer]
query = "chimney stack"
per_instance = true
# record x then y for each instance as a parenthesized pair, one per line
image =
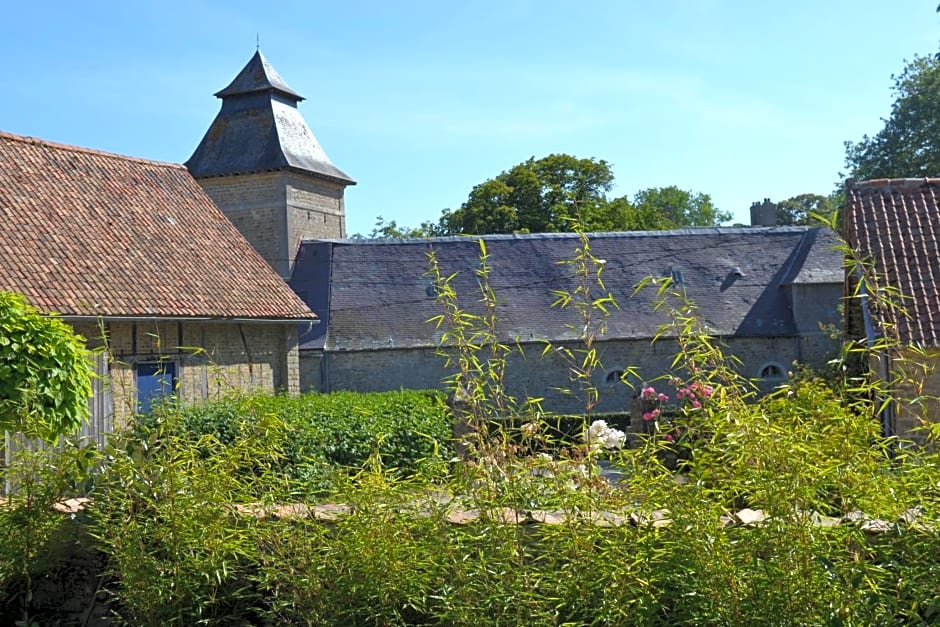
(764, 214)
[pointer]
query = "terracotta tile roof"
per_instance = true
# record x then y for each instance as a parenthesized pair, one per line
(91, 233)
(895, 223)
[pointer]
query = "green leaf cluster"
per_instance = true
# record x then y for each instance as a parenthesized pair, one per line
(661, 208)
(45, 374)
(180, 552)
(539, 196)
(37, 543)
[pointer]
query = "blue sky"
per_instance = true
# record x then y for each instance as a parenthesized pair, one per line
(419, 101)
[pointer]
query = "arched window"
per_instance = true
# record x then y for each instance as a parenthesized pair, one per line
(772, 370)
(614, 376)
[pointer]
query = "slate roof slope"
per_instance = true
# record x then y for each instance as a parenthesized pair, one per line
(89, 233)
(895, 223)
(380, 296)
(259, 129)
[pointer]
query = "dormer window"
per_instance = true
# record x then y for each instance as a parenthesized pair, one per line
(675, 274)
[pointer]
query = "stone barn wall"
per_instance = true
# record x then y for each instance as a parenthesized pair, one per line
(535, 376)
(212, 358)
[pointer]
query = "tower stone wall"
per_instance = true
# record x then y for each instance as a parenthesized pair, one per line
(275, 211)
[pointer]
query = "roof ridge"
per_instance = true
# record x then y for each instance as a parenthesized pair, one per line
(900, 183)
(36, 141)
(675, 233)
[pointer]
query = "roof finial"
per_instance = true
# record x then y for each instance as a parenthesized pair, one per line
(257, 42)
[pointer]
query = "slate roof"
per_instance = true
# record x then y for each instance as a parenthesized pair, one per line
(88, 233)
(260, 129)
(258, 75)
(895, 223)
(380, 296)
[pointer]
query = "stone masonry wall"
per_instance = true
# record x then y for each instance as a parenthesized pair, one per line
(535, 376)
(311, 371)
(255, 205)
(275, 211)
(910, 416)
(315, 209)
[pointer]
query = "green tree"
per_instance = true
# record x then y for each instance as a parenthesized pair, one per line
(45, 378)
(541, 196)
(659, 208)
(390, 230)
(909, 143)
(799, 210)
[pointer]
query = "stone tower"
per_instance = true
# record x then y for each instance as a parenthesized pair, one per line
(263, 166)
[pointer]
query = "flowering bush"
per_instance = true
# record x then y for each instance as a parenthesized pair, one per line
(690, 397)
(599, 435)
(653, 400)
(695, 393)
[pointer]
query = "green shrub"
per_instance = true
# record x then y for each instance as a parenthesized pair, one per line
(317, 434)
(45, 381)
(181, 555)
(34, 537)
(164, 514)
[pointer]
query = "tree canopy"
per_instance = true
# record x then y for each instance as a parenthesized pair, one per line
(546, 195)
(801, 209)
(661, 208)
(909, 143)
(540, 196)
(389, 229)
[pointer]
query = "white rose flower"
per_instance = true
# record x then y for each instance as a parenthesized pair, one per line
(600, 435)
(614, 438)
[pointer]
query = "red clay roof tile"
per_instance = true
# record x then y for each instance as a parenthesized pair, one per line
(895, 223)
(91, 233)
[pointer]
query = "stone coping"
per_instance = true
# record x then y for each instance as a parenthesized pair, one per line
(457, 515)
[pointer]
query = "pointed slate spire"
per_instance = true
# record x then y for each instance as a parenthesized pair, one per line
(259, 129)
(258, 75)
